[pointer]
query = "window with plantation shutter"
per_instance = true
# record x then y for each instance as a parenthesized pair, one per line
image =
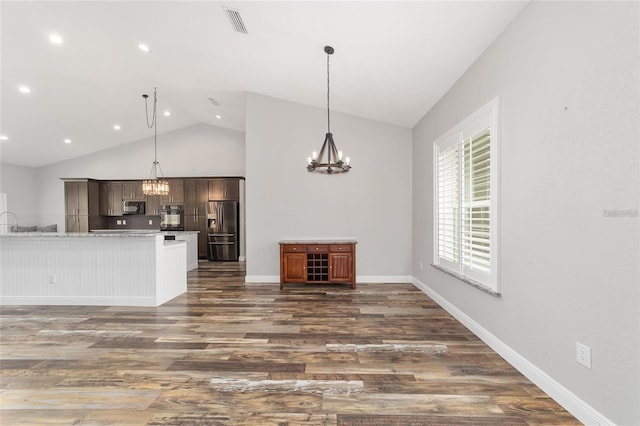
(465, 202)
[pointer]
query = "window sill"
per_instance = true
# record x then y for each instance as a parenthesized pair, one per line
(466, 280)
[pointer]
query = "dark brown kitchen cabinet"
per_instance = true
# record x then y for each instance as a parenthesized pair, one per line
(196, 196)
(152, 205)
(198, 223)
(176, 192)
(318, 262)
(81, 204)
(110, 198)
(132, 191)
(76, 223)
(224, 189)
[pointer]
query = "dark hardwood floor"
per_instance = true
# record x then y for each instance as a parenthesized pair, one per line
(232, 354)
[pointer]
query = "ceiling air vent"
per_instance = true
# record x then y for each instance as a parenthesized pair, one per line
(235, 19)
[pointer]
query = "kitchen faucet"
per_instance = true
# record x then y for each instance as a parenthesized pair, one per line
(15, 218)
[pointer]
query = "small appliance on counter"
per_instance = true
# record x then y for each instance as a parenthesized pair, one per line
(222, 230)
(133, 207)
(172, 218)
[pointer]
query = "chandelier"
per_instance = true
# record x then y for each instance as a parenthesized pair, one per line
(153, 185)
(329, 161)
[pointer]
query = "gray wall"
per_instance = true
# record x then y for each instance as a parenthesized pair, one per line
(568, 77)
(21, 186)
(284, 201)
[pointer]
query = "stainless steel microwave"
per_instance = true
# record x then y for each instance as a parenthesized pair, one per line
(133, 207)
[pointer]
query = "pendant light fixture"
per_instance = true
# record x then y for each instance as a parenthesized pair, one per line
(329, 161)
(154, 185)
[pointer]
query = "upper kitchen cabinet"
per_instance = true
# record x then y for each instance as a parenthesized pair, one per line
(132, 191)
(111, 198)
(196, 196)
(153, 205)
(176, 192)
(81, 197)
(224, 189)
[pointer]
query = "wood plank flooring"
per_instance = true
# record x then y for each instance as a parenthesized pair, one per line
(227, 353)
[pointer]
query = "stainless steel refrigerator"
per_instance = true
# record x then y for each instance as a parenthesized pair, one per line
(222, 230)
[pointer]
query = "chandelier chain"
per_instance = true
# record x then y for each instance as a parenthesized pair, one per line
(153, 123)
(328, 115)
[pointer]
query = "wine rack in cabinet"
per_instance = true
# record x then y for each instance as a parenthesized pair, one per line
(318, 262)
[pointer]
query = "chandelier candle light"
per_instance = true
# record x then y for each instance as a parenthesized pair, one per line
(153, 185)
(331, 164)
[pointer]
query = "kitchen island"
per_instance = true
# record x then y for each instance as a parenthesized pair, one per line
(115, 269)
(190, 237)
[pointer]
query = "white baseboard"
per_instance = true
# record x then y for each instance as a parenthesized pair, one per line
(377, 279)
(563, 396)
(261, 279)
(79, 300)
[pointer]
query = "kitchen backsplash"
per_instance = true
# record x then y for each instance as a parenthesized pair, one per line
(132, 222)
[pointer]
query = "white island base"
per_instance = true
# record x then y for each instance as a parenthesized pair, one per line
(91, 269)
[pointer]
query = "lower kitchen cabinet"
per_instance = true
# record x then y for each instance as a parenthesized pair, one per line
(318, 262)
(198, 223)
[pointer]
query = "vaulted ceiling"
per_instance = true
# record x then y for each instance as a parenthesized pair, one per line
(393, 61)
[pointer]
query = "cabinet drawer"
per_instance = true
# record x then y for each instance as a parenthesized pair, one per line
(317, 248)
(293, 248)
(341, 248)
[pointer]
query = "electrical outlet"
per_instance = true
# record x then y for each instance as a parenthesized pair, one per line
(150, 222)
(118, 222)
(583, 354)
(52, 278)
(124, 222)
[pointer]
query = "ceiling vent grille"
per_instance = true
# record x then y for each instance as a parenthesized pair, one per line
(235, 19)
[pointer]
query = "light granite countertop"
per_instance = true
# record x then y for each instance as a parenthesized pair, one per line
(79, 235)
(320, 241)
(105, 233)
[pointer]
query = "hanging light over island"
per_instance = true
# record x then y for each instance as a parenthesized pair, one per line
(330, 160)
(154, 185)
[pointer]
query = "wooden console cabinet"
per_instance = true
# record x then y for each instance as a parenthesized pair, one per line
(318, 262)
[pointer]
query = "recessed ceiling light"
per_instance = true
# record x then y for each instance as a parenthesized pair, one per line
(167, 113)
(218, 117)
(144, 48)
(4, 138)
(55, 39)
(116, 127)
(67, 141)
(24, 89)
